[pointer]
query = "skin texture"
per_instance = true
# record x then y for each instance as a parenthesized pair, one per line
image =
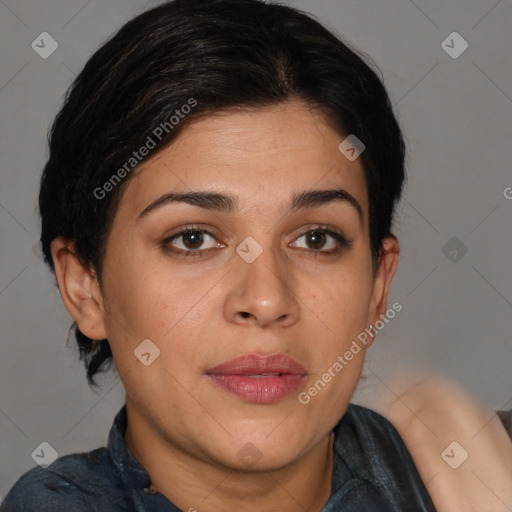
(201, 311)
(432, 414)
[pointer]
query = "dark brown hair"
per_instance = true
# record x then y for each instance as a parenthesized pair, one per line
(222, 54)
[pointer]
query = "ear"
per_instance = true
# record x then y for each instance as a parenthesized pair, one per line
(386, 268)
(79, 289)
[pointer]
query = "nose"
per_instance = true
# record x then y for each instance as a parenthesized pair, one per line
(261, 293)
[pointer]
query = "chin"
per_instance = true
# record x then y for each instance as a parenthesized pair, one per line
(261, 452)
(251, 459)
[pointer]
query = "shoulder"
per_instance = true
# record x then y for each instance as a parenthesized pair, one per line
(380, 455)
(372, 429)
(376, 440)
(363, 416)
(64, 485)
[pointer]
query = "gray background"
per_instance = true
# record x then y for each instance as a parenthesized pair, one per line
(456, 115)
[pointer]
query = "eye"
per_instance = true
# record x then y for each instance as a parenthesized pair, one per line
(322, 240)
(191, 241)
(195, 241)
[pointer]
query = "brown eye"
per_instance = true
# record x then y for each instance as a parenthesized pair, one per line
(191, 241)
(323, 241)
(315, 239)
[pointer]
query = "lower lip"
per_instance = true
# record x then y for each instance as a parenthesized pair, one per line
(260, 390)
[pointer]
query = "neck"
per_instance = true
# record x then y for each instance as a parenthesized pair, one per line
(195, 484)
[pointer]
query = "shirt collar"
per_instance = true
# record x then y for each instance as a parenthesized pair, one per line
(349, 468)
(132, 473)
(352, 453)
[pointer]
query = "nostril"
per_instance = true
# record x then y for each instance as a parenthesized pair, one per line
(245, 314)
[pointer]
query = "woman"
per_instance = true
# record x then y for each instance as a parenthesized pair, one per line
(217, 209)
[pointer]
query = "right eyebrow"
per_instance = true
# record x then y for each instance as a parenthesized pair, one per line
(228, 203)
(206, 200)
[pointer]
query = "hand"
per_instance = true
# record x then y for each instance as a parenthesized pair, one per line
(432, 415)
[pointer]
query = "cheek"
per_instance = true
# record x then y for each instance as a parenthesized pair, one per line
(343, 302)
(139, 292)
(337, 357)
(159, 303)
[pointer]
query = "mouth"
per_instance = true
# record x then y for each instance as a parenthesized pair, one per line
(259, 379)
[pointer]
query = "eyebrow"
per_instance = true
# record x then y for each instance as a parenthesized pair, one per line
(229, 204)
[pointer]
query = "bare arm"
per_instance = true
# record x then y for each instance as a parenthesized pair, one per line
(463, 452)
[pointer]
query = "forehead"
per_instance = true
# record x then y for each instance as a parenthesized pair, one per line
(262, 156)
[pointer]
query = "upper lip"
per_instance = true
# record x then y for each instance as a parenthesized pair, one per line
(253, 364)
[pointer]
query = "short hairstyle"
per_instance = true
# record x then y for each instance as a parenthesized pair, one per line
(211, 55)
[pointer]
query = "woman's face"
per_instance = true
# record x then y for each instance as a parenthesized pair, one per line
(268, 267)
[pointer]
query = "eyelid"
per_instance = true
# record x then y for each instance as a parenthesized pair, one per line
(335, 233)
(338, 235)
(205, 229)
(321, 227)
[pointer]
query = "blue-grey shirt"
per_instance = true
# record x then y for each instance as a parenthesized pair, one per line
(372, 472)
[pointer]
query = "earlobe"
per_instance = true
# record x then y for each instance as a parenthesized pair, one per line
(387, 265)
(79, 290)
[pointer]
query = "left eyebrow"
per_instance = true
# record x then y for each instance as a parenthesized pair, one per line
(317, 198)
(229, 204)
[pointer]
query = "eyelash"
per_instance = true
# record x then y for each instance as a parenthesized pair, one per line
(343, 243)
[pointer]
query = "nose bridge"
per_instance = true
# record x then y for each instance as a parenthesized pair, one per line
(262, 290)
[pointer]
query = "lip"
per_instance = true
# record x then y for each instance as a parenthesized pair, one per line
(259, 379)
